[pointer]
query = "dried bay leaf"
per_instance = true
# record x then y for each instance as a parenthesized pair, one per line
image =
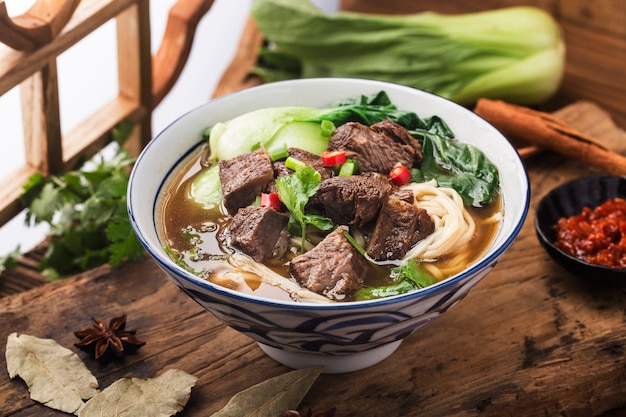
(271, 397)
(162, 396)
(55, 376)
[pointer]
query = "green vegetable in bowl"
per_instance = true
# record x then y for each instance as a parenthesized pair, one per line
(462, 167)
(452, 163)
(516, 54)
(274, 128)
(307, 128)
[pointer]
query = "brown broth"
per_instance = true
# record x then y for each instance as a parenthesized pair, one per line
(181, 221)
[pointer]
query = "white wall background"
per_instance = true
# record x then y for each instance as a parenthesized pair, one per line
(88, 78)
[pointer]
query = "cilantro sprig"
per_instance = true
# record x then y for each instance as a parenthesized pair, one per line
(407, 277)
(294, 191)
(85, 210)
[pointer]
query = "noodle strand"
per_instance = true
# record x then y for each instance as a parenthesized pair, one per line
(454, 229)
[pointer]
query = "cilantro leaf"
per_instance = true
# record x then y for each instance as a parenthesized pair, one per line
(294, 191)
(406, 277)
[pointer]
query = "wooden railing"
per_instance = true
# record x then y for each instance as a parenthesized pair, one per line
(29, 47)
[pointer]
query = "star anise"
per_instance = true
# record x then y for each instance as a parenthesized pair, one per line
(102, 339)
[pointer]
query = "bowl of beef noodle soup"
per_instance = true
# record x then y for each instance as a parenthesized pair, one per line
(328, 219)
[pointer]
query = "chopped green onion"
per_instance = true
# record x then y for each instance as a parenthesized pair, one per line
(294, 164)
(280, 153)
(348, 168)
(328, 128)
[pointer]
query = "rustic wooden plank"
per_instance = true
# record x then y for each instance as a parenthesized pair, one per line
(11, 190)
(42, 120)
(237, 76)
(173, 340)
(170, 59)
(594, 71)
(134, 62)
(16, 66)
(37, 26)
(25, 275)
(606, 16)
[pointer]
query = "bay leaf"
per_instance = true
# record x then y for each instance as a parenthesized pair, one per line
(55, 376)
(162, 396)
(272, 397)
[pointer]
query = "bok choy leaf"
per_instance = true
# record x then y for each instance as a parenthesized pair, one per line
(309, 128)
(515, 54)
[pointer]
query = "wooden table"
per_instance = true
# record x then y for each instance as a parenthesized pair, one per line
(529, 340)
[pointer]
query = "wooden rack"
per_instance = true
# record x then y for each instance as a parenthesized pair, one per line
(28, 59)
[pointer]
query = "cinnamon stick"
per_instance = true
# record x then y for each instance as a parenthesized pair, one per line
(546, 131)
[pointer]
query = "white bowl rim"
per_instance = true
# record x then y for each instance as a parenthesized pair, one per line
(167, 264)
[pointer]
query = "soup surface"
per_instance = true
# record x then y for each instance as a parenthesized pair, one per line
(193, 236)
(354, 201)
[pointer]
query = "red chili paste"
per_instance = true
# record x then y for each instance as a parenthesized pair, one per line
(596, 236)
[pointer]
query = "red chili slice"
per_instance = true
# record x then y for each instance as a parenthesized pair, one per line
(270, 200)
(400, 175)
(333, 158)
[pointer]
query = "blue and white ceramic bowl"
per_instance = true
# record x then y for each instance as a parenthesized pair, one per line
(342, 337)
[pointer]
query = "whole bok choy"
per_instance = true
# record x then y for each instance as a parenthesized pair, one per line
(516, 54)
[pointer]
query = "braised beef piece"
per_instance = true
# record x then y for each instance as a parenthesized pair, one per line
(404, 194)
(354, 200)
(425, 226)
(257, 231)
(375, 150)
(399, 226)
(333, 268)
(244, 177)
(280, 169)
(401, 136)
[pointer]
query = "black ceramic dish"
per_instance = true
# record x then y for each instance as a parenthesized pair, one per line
(567, 200)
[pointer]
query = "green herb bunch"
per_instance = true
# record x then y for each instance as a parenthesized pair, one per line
(86, 213)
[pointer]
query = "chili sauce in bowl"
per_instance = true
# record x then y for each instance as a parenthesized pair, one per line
(582, 226)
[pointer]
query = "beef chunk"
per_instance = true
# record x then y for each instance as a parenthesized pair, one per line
(399, 226)
(425, 226)
(374, 150)
(333, 268)
(354, 200)
(402, 137)
(404, 194)
(279, 170)
(257, 230)
(244, 177)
